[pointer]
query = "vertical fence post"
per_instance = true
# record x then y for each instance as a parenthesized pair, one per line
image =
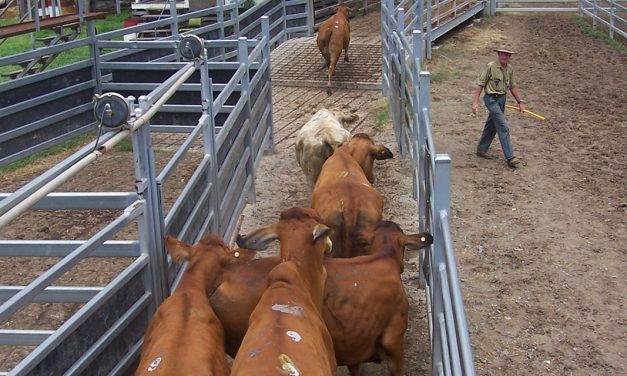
(174, 25)
(94, 51)
(235, 16)
(311, 18)
(441, 193)
(580, 7)
(250, 163)
(209, 142)
(595, 13)
(150, 226)
(284, 16)
(419, 21)
(424, 165)
(265, 31)
(400, 31)
(415, 121)
(437, 12)
(612, 17)
(81, 11)
(429, 36)
(220, 20)
(417, 52)
(384, 47)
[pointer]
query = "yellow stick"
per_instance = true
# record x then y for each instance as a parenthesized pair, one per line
(526, 111)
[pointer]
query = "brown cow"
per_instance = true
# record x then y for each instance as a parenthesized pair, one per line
(345, 198)
(184, 336)
(286, 332)
(334, 35)
(365, 305)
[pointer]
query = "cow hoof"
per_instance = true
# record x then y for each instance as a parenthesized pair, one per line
(329, 92)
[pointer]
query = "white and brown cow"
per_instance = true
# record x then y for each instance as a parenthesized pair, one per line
(319, 138)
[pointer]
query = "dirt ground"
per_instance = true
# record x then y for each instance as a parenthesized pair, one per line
(540, 249)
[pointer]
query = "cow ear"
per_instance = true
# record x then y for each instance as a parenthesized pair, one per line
(258, 240)
(241, 255)
(321, 231)
(417, 241)
(381, 152)
(178, 250)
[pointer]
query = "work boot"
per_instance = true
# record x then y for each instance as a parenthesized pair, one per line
(513, 162)
(482, 153)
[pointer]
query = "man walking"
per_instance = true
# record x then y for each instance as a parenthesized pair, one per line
(497, 78)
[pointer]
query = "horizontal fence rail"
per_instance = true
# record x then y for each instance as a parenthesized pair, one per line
(611, 14)
(408, 88)
(220, 99)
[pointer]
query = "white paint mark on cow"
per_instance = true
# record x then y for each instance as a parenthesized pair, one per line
(293, 335)
(355, 284)
(155, 363)
(292, 310)
(236, 254)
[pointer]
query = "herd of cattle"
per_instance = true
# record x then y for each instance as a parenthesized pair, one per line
(333, 297)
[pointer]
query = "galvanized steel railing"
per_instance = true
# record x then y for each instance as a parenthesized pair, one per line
(611, 14)
(408, 89)
(36, 115)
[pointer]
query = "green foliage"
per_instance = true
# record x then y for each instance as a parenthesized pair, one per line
(382, 118)
(124, 146)
(248, 4)
(587, 29)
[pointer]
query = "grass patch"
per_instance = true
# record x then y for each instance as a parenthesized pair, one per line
(22, 43)
(382, 116)
(52, 151)
(125, 145)
(444, 72)
(587, 29)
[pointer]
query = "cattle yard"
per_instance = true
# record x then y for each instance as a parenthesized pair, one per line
(280, 184)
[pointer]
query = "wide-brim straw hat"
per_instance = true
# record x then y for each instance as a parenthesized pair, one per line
(504, 50)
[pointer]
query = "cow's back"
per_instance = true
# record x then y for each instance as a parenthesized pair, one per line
(184, 337)
(348, 203)
(380, 306)
(286, 330)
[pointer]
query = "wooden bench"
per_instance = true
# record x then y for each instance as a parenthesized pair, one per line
(48, 23)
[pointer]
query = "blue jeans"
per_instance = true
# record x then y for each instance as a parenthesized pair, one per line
(496, 123)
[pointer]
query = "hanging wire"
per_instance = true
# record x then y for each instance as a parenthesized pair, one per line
(105, 111)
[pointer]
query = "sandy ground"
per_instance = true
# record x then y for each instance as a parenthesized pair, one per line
(541, 249)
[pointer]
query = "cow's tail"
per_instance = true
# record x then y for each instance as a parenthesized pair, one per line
(324, 38)
(361, 236)
(337, 223)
